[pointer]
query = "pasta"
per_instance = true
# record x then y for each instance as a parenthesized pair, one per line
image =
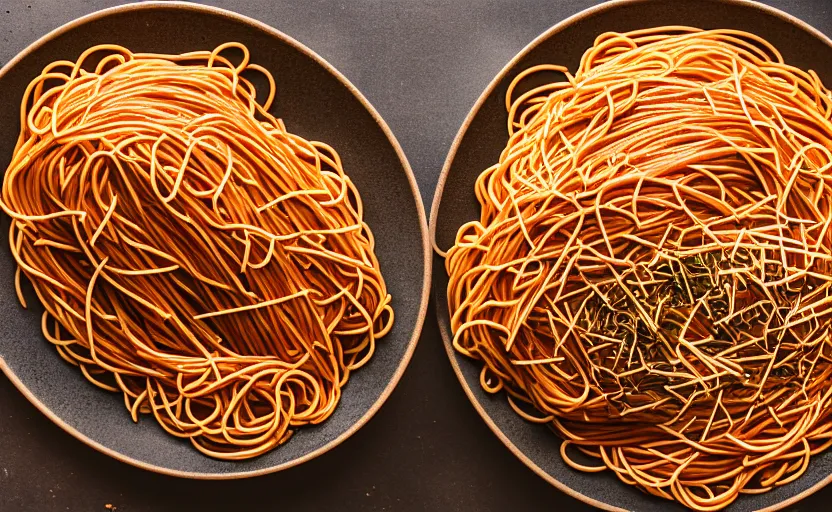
(651, 271)
(189, 251)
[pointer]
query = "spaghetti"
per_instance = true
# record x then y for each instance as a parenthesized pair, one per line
(651, 273)
(189, 251)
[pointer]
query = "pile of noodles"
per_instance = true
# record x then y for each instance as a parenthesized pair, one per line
(650, 274)
(189, 251)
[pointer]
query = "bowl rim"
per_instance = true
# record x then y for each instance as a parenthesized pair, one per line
(440, 295)
(414, 188)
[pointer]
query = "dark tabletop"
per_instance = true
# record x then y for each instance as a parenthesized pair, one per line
(422, 64)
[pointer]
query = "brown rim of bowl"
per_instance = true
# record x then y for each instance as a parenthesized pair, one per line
(427, 260)
(434, 212)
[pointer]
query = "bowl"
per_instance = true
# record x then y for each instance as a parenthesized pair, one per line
(316, 102)
(478, 145)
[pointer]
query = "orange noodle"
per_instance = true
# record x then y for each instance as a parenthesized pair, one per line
(650, 274)
(189, 251)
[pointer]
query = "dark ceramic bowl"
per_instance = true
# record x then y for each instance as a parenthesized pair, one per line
(478, 145)
(316, 102)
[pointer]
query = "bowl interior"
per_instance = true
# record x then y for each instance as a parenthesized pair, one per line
(314, 102)
(479, 146)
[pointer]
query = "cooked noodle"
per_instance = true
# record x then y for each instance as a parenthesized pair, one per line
(189, 251)
(651, 272)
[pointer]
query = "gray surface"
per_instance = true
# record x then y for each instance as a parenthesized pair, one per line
(422, 64)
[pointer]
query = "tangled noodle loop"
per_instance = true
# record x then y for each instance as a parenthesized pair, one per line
(651, 273)
(189, 251)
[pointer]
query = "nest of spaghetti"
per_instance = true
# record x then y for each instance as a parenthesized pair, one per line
(650, 274)
(189, 251)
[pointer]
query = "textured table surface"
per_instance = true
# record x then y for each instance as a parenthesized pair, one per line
(422, 64)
